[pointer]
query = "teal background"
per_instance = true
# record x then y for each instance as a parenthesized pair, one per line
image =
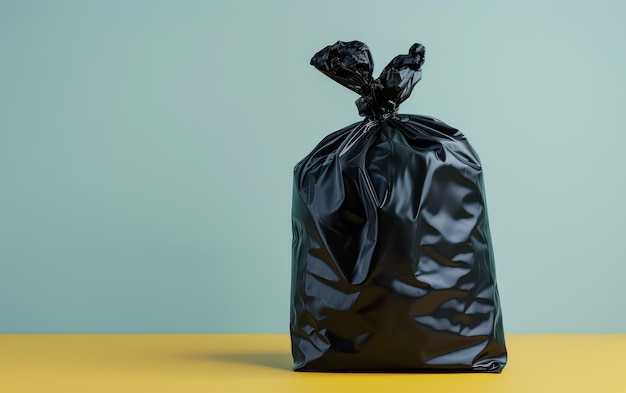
(147, 147)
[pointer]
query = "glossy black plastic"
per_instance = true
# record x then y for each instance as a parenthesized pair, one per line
(392, 266)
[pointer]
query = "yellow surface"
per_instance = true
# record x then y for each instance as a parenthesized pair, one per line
(262, 363)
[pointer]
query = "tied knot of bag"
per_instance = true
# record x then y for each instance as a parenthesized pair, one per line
(351, 65)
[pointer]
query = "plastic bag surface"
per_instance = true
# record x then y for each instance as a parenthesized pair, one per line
(392, 262)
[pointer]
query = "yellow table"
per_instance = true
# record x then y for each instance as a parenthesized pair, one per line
(262, 363)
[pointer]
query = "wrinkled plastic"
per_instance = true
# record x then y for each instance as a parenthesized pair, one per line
(393, 267)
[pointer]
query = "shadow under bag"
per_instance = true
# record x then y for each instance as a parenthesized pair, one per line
(392, 264)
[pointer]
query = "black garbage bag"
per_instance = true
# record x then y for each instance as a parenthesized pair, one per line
(393, 267)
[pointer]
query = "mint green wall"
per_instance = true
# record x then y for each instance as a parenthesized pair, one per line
(146, 150)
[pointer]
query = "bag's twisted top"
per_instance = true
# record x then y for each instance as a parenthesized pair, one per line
(350, 64)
